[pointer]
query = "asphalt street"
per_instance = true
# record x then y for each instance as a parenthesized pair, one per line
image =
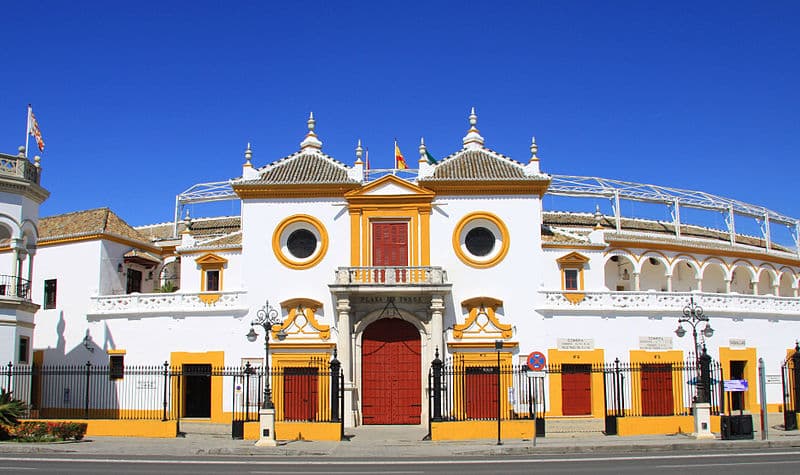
(775, 461)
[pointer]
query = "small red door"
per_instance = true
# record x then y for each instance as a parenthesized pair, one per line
(657, 390)
(390, 248)
(390, 373)
(481, 393)
(300, 394)
(576, 389)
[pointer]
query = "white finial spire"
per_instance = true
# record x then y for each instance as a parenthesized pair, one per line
(423, 157)
(598, 217)
(248, 154)
(473, 139)
(534, 149)
(359, 153)
(311, 142)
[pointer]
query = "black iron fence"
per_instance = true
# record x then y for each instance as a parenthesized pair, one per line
(462, 391)
(790, 372)
(312, 393)
(12, 286)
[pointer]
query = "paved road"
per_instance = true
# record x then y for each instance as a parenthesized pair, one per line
(778, 461)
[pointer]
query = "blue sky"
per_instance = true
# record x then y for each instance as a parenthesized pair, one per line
(137, 101)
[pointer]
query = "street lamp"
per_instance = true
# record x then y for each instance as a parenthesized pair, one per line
(266, 318)
(693, 315)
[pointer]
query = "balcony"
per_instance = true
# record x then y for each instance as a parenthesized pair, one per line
(18, 167)
(167, 304)
(15, 287)
(391, 278)
(652, 302)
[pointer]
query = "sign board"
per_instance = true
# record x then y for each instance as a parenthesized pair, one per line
(535, 374)
(655, 343)
(773, 379)
(575, 344)
(737, 343)
(734, 385)
(145, 385)
(537, 361)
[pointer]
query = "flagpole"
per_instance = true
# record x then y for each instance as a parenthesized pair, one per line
(27, 131)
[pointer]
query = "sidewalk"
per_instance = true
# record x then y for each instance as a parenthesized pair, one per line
(392, 442)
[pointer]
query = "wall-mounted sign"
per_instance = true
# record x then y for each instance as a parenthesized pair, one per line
(655, 343)
(737, 343)
(773, 379)
(575, 344)
(734, 385)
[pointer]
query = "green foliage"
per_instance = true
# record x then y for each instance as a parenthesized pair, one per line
(168, 287)
(35, 431)
(10, 409)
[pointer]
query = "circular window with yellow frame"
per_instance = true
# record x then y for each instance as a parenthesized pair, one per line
(300, 241)
(481, 240)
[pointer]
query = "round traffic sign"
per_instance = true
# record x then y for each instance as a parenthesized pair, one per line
(536, 361)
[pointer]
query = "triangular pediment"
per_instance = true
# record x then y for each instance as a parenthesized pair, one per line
(210, 259)
(390, 186)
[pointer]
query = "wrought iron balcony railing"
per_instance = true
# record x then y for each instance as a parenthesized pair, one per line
(391, 275)
(156, 304)
(11, 286)
(648, 302)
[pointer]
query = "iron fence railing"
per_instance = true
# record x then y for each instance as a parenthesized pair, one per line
(790, 377)
(12, 286)
(311, 393)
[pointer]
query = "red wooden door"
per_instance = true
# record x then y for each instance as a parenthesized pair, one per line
(390, 373)
(390, 248)
(657, 390)
(576, 389)
(480, 391)
(300, 394)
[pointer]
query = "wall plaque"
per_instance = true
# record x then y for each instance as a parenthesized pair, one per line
(655, 343)
(575, 344)
(737, 343)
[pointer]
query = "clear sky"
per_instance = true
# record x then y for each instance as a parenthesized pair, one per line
(139, 100)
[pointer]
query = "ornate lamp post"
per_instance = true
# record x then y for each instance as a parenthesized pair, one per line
(266, 318)
(693, 315)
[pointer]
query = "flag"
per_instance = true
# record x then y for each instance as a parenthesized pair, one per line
(33, 127)
(399, 161)
(430, 158)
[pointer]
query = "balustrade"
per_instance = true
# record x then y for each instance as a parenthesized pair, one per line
(391, 275)
(161, 303)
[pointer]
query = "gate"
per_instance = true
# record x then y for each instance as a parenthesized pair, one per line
(791, 389)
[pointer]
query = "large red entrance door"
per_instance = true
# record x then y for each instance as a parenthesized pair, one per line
(300, 394)
(390, 373)
(576, 389)
(657, 390)
(481, 392)
(390, 248)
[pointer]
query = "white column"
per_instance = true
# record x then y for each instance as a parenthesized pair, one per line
(636, 281)
(344, 340)
(727, 286)
(437, 325)
(669, 282)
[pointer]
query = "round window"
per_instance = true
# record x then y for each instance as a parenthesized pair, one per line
(479, 241)
(301, 243)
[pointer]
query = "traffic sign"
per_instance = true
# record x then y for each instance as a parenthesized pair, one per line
(537, 361)
(734, 385)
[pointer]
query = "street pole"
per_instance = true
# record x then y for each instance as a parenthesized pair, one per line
(498, 345)
(762, 383)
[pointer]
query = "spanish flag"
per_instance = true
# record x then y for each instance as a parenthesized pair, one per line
(399, 161)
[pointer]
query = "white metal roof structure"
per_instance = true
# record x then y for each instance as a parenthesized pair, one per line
(584, 187)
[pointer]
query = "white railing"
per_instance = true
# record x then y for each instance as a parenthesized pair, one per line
(390, 275)
(654, 302)
(168, 303)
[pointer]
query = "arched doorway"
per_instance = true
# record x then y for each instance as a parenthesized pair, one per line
(390, 373)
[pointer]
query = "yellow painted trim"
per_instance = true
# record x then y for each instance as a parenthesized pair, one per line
(209, 299)
(588, 247)
(726, 355)
(319, 360)
(671, 357)
(284, 345)
(355, 237)
(124, 428)
(328, 431)
(213, 358)
(289, 261)
(100, 236)
(489, 306)
(313, 190)
(489, 187)
(310, 308)
(462, 361)
(592, 357)
(628, 426)
(425, 234)
(478, 345)
(116, 352)
(211, 259)
(210, 262)
(476, 430)
(574, 297)
(201, 250)
(458, 238)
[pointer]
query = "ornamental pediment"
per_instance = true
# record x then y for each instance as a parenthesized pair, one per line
(389, 185)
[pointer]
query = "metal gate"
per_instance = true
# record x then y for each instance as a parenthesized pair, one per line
(791, 389)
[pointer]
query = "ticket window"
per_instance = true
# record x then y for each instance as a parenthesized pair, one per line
(737, 371)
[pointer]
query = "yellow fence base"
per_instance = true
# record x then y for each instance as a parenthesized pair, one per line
(317, 431)
(124, 428)
(660, 425)
(475, 430)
